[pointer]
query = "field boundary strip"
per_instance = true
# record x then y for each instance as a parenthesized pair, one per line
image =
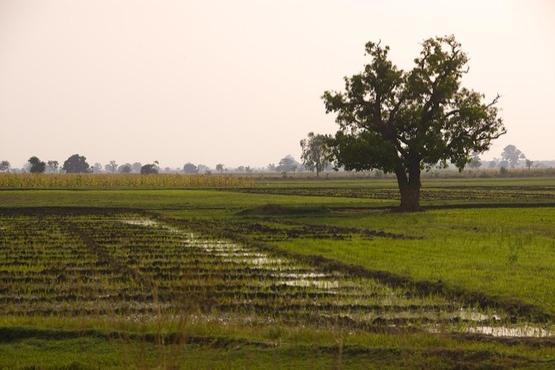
(15, 334)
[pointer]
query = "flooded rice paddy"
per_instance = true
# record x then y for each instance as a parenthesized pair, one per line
(135, 267)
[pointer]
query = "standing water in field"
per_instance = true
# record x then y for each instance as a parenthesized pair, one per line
(136, 267)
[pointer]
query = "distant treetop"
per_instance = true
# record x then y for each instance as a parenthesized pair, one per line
(36, 165)
(76, 164)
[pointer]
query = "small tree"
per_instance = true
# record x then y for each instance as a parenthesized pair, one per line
(529, 164)
(475, 162)
(287, 164)
(111, 167)
(96, 168)
(136, 167)
(52, 166)
(201, 168)
(36, 165)
(408, 121)
(315, 152)
(220, 167)
(125, 168)
(76, 164)
(149, 169)
(4, 166)
(190, 168)
(512, 155)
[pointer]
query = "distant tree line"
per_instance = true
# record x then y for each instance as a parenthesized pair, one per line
(78, 164)
(316, 156)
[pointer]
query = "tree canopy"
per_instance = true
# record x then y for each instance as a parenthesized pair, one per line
(76, 164)
(36, 165)
(125, 168)
(475, 161)
(511, 155)
(406, 121)
(4, 166)
(150, 169)
(287, 164)
(315, 152)
(190, 168)
(111, 167)
(52, 166)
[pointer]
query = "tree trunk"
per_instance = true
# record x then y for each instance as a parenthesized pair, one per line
(410, 198)
(409, 187)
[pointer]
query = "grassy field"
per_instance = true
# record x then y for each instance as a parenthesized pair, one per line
(281, 274)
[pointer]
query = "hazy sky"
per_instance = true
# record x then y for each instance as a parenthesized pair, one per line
(239, 82)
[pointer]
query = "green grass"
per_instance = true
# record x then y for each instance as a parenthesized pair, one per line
(94, 354)
(249, 348)
(165, 199)
(507, 254)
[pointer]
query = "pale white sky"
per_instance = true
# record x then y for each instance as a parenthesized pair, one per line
(239, 82)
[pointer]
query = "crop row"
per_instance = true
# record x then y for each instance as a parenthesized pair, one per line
(119, 181)
(128, 265)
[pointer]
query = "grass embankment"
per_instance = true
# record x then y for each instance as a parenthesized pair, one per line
(110, 343)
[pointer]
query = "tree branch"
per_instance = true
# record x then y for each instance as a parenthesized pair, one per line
(494, 101)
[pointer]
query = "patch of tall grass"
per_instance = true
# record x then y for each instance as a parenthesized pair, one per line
(119, 181)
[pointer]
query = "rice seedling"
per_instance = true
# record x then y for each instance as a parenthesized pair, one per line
(129, 266)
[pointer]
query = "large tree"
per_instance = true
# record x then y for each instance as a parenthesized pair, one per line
(125, 168)
(52, 166)
(512, 155)
(4, 166)
(76, 164)
(408, 121)
(190, 168)
(287, 164)
(36, 165)
(315, 152)
(150, 169)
